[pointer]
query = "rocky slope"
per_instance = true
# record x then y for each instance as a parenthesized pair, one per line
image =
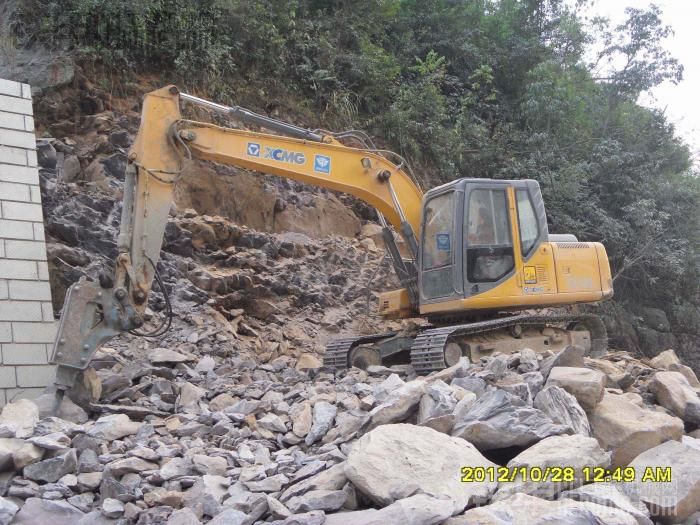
(230, 419)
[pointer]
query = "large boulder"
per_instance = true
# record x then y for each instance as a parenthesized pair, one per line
(20, 417)
(586, 385)
(415, 510)
(500, 420)
(553, 453)
(673, 391)
(609, 495)
(627, 429)
(393, 462)
(563, 408)
(36, 511)
(669, 500)
(521, 509)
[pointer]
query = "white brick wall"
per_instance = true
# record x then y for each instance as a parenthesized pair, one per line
(27, 326)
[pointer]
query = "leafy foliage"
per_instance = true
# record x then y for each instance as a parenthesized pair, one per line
(478, 88)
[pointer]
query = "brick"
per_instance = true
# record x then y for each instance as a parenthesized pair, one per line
(18, 139)
(9, 87)
(47, 312)
(3, 399)
(8, 378)
(26, 91)
(16, 105)
(22, 211)
(10, 269)
(13, 156)
(23, 354)
(12, 121)
(34, 250)
(20, 311)
(4, 292)
(2, 249)
(5, 332)
(10, 191)
(43, 270)
(28, 123)
(42, 332)
(17, 229)
(35, 376)
(20, 174)
(31, 157)
(35, 194)
(30, 290)
(13, 394)
(34, 332)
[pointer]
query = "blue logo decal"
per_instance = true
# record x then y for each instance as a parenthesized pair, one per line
(443, 242)
(253, 149)
(322, 164)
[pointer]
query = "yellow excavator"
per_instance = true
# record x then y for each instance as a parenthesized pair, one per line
(478, 257)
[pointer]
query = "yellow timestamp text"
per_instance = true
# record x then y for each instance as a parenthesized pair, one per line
(564, 474)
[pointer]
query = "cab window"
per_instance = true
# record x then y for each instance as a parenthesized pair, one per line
(527, 222)
(489, 241)
(438, 243)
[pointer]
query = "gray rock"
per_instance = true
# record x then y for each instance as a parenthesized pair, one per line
(176, 467)
(230, 517)
(326, 500)
(627, 430)
(674, 392)
(190, 395)
(499, 420)
(88, 462)
(165, 356)
(254, 505)
(270, 484)
(8, 509)
(575, 452)
(302, 419)
(112, 508)
(377, 471)
(586, 385)
(562, 408)
(528, 361)
(323, 416)
(54, 441)
(333, 478)
(608, 495)
(420, 509)
(214, 465)
(472, 384)
(273, 423)
(36, 511)
(68, 411)
(399, 404)
(15, 454)
(133, 464)
(51, 470)
(570, 356)
(113, 426)
(535, 381)
(315, 517)
(436, 407)
(20, 417)
(521, 509)
(183, 517)
(669, 501)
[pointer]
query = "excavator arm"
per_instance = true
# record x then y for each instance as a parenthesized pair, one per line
(94, 312)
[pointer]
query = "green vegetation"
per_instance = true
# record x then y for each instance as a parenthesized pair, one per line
(478, 88)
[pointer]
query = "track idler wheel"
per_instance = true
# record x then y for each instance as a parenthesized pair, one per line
(453, 353)
(364, 357)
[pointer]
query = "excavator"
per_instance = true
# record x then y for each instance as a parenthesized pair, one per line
(474, 257)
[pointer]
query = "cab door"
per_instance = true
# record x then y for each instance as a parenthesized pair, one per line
(488, 237)
(440, 260)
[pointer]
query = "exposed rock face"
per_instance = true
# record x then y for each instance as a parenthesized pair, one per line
(429, 462)
(627, 430)
(673, 391)
(555, 452)
(668, 501)
(499, 420)
(521, 509)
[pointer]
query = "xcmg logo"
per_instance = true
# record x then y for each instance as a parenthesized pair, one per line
(278, 154)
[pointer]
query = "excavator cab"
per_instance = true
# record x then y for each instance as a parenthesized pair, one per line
(485, 245)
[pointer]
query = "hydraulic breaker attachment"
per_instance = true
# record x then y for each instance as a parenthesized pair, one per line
(93, 313)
